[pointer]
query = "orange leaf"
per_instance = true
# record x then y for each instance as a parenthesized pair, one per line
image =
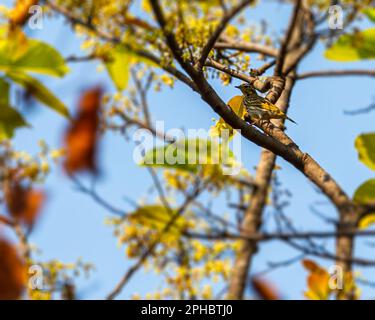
(130, 20)
(20, 13)
(12, 272)
(81, 137)
(317, 281)
(24, 204)
(311, 265)
(264, 289)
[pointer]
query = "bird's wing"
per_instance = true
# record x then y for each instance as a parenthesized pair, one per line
(271, 107)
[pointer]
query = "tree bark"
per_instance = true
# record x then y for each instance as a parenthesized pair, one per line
(253, 215)
(348, 220)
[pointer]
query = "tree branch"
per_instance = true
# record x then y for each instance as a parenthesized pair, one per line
(229, 15)
(107, 37)
(228, 43)
(284, 47)
(335, 73)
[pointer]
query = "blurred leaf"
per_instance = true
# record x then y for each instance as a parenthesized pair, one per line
(4, 92)
(310, 265)
(264, 290)
(23, 204)
(352, 47)
(365, 145)
(134, 21)
(367, 221)
(118, 67)
(370, 13)
(39, 92)
(12, 272)
(10, 120)
(82, 135)
(156, 217)
(20, 13)
(188, 155)
(17, 53)
(118, 62)
(317, 281)
(365, 194)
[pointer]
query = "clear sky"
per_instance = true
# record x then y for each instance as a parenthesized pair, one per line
(72, 225)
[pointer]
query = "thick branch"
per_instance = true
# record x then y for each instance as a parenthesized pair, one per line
(228, 43)
(284, 46)
(253, 215)
(274, 85)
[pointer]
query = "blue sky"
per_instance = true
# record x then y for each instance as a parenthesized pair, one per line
(72, 225)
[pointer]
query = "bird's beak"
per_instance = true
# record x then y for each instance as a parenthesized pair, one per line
(238, 87)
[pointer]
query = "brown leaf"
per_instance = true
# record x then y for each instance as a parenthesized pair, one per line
(81, 138)
(12, 272)
(20, 12)
(311, 265)
(264, 289)
(24, 204)
(130, 20)
(317, 281)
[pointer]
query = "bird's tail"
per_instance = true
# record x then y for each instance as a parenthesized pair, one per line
(291, 120)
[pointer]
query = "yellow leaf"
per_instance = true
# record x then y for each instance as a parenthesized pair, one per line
(236, 105)
(317, 281)
(157, 217)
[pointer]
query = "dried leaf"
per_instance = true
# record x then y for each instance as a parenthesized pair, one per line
(317, 281)
(81, 138)
(311, 265)
(12, 272)
(24, 204)
(134, 21)
(264, 289)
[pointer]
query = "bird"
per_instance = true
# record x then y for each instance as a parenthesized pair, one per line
(259, 108)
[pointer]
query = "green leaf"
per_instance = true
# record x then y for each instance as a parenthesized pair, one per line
(188, 155)
(118, 67)
(10, 120)
(118, 62)
(31, 56)
(365, 194)
(4, 92)
(365, 145)
(352, 47)
(370, 13)
(39, 92)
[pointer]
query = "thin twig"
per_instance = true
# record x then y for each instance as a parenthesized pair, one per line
(229, 15)
(128, 275)
(335, 73)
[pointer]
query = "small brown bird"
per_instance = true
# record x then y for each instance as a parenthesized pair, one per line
(260, 108)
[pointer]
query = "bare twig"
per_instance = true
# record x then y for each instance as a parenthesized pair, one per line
(360, 111)
(336, 73)
(149, 251)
